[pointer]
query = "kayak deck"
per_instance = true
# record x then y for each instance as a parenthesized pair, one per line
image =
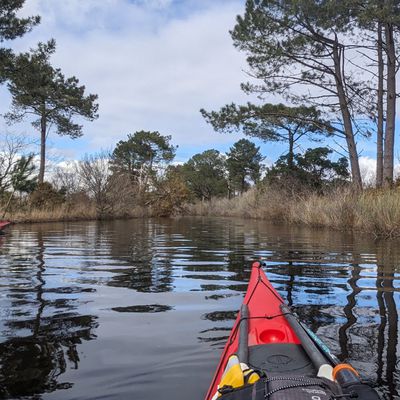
(284, 358)
(273, 346)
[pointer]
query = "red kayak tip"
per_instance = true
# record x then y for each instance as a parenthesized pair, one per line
(4, 224)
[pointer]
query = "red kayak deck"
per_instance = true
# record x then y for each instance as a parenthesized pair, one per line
(266, 324)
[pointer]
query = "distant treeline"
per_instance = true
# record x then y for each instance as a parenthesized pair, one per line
(140, 174)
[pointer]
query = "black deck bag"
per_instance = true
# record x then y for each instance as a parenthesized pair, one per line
(361, 391)
(283, 387)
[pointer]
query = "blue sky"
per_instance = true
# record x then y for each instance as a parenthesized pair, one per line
(153, 63)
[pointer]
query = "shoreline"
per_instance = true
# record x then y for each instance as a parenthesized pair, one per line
(372, 211)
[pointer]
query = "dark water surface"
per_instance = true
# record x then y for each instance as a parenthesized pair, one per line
(141, 309)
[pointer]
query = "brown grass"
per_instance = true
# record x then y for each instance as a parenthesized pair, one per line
(372, 211)
(66, 212)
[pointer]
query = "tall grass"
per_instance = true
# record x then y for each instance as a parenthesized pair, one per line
(66, 212)
(373, 211)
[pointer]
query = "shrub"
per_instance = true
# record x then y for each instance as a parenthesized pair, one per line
(45, 196)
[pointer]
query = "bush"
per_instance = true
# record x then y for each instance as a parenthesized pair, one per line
(170, 196)
(45, 196)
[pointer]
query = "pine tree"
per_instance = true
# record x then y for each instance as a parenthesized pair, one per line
(296, 49)
(205, 174)
(244, 165)
(12, 27)
(271, 122)
(42, 91)
(140, 154)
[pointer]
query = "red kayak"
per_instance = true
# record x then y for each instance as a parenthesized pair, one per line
(269, 342)
(4, 224)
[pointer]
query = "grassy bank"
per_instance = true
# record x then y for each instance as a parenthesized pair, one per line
(372, 211)
(66, 212)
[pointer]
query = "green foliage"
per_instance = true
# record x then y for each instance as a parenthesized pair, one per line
(298, 49)
(16, 170)
(45, 196)
(39, 89)
(22, 179)
(270, 122)
(243, 164)
(278, 36)
(205, 175)
(12, 27)
(312, 170)
(140, 154)
(369, 12)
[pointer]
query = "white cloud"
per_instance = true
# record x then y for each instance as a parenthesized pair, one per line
(368, 170)
(153, 64)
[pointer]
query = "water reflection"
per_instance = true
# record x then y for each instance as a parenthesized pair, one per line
(156, 300)
(146, 249)
(40, 334)
(148, 308)
(388, 319)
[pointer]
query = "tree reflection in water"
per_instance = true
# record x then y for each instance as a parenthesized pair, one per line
(149, 269)
(38, 349)
(388, 318)
(348, 311)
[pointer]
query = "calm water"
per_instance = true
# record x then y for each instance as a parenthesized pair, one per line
(141, 309)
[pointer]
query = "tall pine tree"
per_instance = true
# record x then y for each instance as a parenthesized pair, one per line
(297, 49)
(43, 92)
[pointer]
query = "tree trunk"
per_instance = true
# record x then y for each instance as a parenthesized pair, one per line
(379, 131)
(43, 131)
(388, 155)
(346, 116)
(291, 151)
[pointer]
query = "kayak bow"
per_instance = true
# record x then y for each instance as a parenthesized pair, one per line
(269, 341)
(4, 224)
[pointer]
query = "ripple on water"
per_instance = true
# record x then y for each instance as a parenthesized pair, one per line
(125, 309)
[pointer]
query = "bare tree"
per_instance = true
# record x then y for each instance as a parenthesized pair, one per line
(12, 147)
(95, 175)
(66, 179)
(111, 193)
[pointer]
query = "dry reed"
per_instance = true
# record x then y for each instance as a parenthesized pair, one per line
(66, 212)
(372, 211)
